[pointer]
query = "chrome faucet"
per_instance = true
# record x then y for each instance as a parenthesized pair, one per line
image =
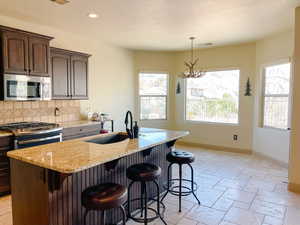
(129, 130)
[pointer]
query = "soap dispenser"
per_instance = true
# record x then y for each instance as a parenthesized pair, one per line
(135, 130)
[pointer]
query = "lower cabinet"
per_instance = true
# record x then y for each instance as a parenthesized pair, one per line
(69, 74)
(6, 144)
(82, 131)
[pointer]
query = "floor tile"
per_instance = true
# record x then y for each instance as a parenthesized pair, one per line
(268, 208)
(272, 221)
(223, 204)
(243, 217)
(206, 215)
(292, 216)
(238, 195)
(186, 221)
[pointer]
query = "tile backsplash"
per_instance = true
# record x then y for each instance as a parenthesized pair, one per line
(69, 110)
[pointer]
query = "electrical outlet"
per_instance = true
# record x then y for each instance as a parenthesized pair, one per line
(235, 137)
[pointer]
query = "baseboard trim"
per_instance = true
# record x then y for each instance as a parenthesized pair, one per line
(283, 164)
(294, 187)
(216, 147)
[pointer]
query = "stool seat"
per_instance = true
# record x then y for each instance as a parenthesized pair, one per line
(143, 172)
(104, 196)
(180, 157)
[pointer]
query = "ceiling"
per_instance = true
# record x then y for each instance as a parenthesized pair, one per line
(161, 24)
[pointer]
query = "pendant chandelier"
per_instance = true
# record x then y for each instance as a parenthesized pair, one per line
(191, 70)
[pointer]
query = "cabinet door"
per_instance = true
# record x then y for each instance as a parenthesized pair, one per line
(79, 77)
(15, 52)
(39, 56)
(6, 144)
(60, 66)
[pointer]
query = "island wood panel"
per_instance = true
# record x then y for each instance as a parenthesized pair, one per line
(65, 204)
(29, 194)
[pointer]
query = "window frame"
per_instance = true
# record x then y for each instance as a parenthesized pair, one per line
(209, 122)
(166, 96)
(263, 95)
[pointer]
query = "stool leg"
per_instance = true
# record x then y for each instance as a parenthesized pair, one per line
(142, 199)
(85, 215)
(192, 174)
(128, 200)
(168, 182)
(158, 202)
(123, 214)
(146, 203)
(103, 217)
(180, 185)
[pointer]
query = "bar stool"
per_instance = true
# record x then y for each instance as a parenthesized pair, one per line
(144, 173)
(181, 158)
(103, 197)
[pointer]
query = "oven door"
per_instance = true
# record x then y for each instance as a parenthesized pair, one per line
(22, 88)
(38, 138)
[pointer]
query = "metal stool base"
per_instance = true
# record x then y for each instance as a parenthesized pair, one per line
(180, 193)
(144, 204)
(183, 193)
(149, 219)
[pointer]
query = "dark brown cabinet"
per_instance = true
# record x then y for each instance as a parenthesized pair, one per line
(15, 52)
(25, 53)
(69, 74)
(61, 67)
(39, 53)
(6, 144)
(79, 76)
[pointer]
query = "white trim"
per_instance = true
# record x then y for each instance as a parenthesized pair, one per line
(263, 95)
(210, 122)
(167, 96)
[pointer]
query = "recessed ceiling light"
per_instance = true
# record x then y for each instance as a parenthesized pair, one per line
(62, 2)
(93, 15)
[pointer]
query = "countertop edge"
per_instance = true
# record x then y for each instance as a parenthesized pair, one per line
(94, 164)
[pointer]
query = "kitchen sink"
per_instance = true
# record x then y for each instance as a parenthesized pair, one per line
(109, 139)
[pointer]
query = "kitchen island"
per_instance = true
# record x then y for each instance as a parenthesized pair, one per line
(47, 180)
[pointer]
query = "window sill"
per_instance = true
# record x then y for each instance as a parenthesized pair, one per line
(274, 128)
(211, 123)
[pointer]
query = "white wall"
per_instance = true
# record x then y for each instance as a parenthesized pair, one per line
(111, 69)
(270, 142)
(236, 56)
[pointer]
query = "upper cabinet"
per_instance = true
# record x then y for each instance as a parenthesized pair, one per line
(80, 76)
(15, 52)
(25, 53)
(69, 74)
(39, 55)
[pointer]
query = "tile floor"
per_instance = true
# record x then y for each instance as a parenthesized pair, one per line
(234, 189)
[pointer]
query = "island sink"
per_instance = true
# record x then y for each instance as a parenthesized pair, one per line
(109, 139)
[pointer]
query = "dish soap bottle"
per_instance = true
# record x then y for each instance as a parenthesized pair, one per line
(135, 130)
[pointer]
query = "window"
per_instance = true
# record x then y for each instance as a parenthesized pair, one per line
(213, 97)
(276, 96)
(153, 96)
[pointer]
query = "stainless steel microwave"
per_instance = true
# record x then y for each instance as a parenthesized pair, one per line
(24, 88)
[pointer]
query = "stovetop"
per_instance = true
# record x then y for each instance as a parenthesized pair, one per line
(27, 126)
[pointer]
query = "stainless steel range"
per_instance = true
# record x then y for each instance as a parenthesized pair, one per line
(28, 134)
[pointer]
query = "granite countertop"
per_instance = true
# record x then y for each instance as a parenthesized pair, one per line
(77, 155)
